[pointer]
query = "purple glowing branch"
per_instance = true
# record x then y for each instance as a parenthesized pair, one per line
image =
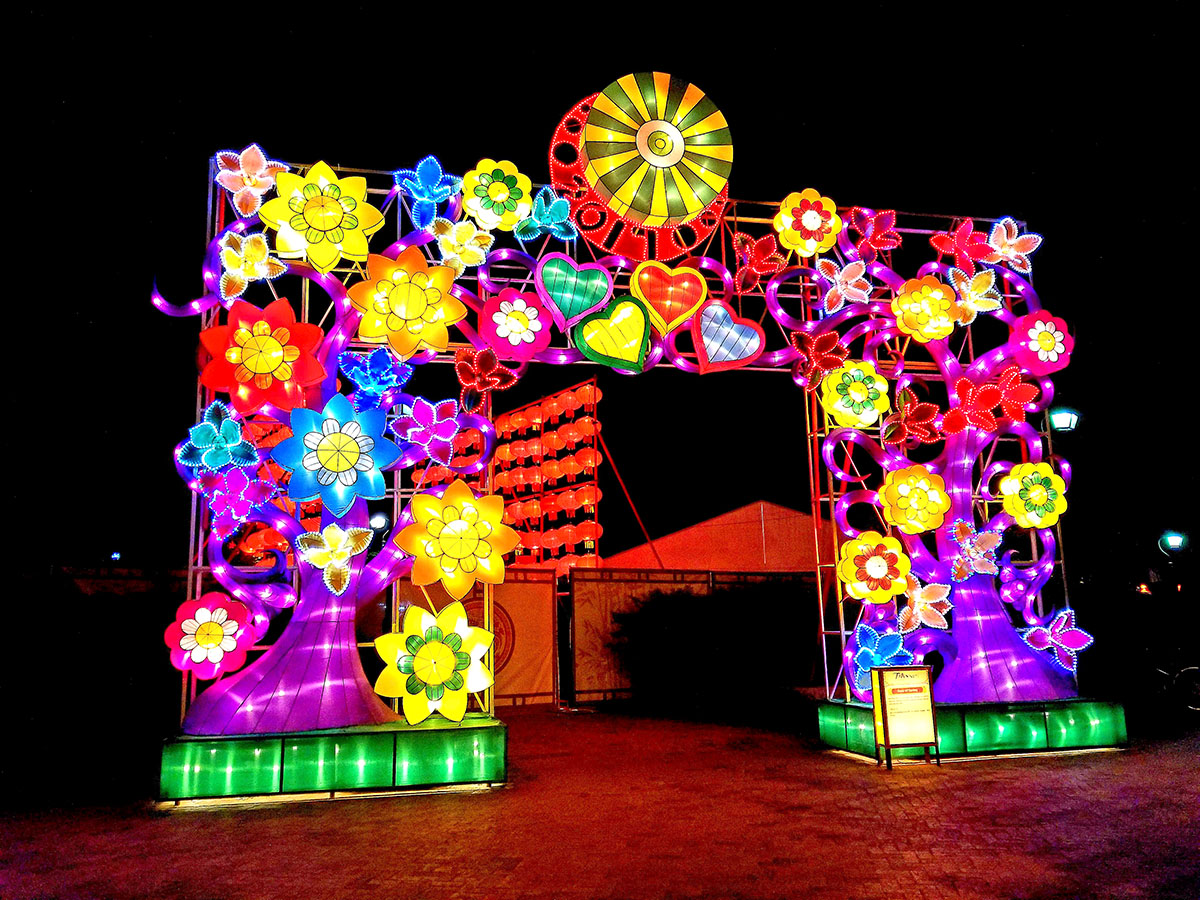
(887, 460)
(412, 239)
(504, 254)
(924, 564)
(1020, 584)
(671, 352)
(924, 641)
(843, 505)
(1014, 282)
(707, 263)
(211, 277)
(778, 313)
(467, 296)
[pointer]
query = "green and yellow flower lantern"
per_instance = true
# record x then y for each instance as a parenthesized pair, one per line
(1034, 495)
(656, 148)
(321, 218)
(434, 663)
(914, 499)
(496, 195)
(873, 568)
(855, 395)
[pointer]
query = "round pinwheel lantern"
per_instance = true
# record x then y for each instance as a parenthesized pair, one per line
(656, 148)
(645, 165)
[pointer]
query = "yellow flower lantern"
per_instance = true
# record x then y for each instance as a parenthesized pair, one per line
(406, 303)
(926, 309)
(807, 222)
(496, 195)
(1034, 495)
(873, 568)
(320, 217)
(855, 395)
(458, 539)
(434, 663)
(914, 499)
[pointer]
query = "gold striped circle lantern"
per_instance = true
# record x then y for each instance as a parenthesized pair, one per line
(645, 164)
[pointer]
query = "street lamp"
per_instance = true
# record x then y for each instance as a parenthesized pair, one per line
(1171, 542)
(1063, 419)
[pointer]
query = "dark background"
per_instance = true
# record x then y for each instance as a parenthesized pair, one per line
(1072, 122)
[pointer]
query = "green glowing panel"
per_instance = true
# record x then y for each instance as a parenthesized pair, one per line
(1005, 729)
(831, 724)
(860, 730)
(456, 755)
(1086, 724)
(219, 768)
(337, 762)
(952, 739)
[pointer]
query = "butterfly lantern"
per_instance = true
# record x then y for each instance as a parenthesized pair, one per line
(976, 553)
(1061, 637)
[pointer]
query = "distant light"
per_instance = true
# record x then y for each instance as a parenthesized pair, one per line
(1063, 419)
(380, 521)
(115, 555)
(1173, 540)
(1143, 588)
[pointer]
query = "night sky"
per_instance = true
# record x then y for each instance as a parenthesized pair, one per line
(1068, 123)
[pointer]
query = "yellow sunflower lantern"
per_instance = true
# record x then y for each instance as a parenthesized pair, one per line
(320, 217)
(855, 395)
(434, 663)
(1034, 495)
(807, 222)
(873, 568)
(406, 303)
(914, 499)
(458, 539)
(496, 195)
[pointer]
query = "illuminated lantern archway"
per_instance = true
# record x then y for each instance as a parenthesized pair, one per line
(925, 558)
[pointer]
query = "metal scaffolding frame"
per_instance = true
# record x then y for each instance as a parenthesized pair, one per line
(838, 614)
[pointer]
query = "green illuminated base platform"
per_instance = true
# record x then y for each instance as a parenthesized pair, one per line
(974, 729)
(368, 758)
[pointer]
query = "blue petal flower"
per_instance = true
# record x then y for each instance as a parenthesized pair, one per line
(427, 185)
(551, 215)
(306, 455)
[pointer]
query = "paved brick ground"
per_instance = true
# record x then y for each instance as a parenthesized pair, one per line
(603, 806)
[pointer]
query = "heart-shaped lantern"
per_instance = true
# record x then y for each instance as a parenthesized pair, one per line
(671, 295)
(569, 289)
(724, 341)
(617, 336)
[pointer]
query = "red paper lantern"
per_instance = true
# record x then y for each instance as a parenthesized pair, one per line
(551, 470)
(586, 395)
(550, 506)
(588, 458)
(589, 531)
(551, 539)
(531, 539)
(586, 425)
(569, 536)
(552, 442)
(588, 495)
(569, 402)
(569, 501)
